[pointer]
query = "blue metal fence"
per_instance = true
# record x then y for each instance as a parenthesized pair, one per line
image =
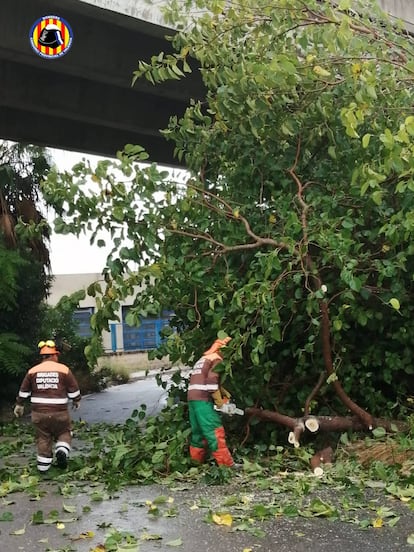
(146, 336)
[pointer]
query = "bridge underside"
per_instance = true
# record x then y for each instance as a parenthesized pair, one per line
(84, 101)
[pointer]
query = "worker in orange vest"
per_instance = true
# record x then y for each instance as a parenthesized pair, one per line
(204, 393)
(50, 385)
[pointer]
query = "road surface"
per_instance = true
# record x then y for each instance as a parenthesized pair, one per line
(87, 522)
(115, 404)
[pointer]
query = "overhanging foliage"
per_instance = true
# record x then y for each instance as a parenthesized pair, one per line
(293, 230)
(24, 259)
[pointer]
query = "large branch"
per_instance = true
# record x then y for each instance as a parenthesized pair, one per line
(313, 393)
(223, 248)
(366, 418)
(225, 210)
(324, 423)
(323, 305)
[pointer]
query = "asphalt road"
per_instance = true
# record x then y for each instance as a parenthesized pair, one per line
(186, 531)
(87, 522)
(115, 404)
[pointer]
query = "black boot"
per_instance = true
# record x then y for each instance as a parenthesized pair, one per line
(61, 459)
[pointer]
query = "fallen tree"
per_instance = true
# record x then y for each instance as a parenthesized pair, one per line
(292, 229)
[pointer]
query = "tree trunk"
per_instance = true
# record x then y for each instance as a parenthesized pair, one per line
(298, 426)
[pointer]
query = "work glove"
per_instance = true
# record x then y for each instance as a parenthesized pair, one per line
(75, 405)
(218, 398)
(224, 392)
(18, 410)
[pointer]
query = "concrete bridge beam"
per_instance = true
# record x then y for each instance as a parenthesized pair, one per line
(84, 100)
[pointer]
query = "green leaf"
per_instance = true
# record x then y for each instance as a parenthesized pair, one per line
(118, 213)
(379, 432)
(320, 71)
(355, 283)
(387, 139)
(394, 303)
(132, 319)
(344, 438)
(365, 140)
(320, 508)
(332, 152)
(377, 197)
(37, 518)
(161, 499)
(150, 537)
(409, 124)
(19, 532)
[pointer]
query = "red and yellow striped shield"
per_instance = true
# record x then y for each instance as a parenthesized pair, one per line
(51, 36)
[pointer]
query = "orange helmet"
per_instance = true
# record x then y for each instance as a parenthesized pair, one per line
(217, 345)
(47, 347)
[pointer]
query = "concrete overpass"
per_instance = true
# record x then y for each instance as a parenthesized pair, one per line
(83, 101)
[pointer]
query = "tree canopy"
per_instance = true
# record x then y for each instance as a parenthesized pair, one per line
(24, 255)
(292, 230)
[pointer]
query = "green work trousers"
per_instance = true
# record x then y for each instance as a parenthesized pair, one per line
(207, 431)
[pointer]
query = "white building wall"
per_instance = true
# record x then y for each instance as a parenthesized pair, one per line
(66, 284)
(403, 9)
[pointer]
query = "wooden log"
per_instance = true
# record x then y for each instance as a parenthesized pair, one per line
(322, 457)
(327, 423)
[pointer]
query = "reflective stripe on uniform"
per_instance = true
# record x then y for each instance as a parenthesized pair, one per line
(205, 387)
(63, 444)
(43, 463)
(41, 400)
(74, 395)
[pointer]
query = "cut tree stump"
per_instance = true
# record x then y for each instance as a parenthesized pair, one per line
(321, 457)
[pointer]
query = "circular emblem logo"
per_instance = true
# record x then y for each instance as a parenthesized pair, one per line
(51, 37)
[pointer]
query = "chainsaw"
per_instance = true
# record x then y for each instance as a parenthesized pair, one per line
(230, 409)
